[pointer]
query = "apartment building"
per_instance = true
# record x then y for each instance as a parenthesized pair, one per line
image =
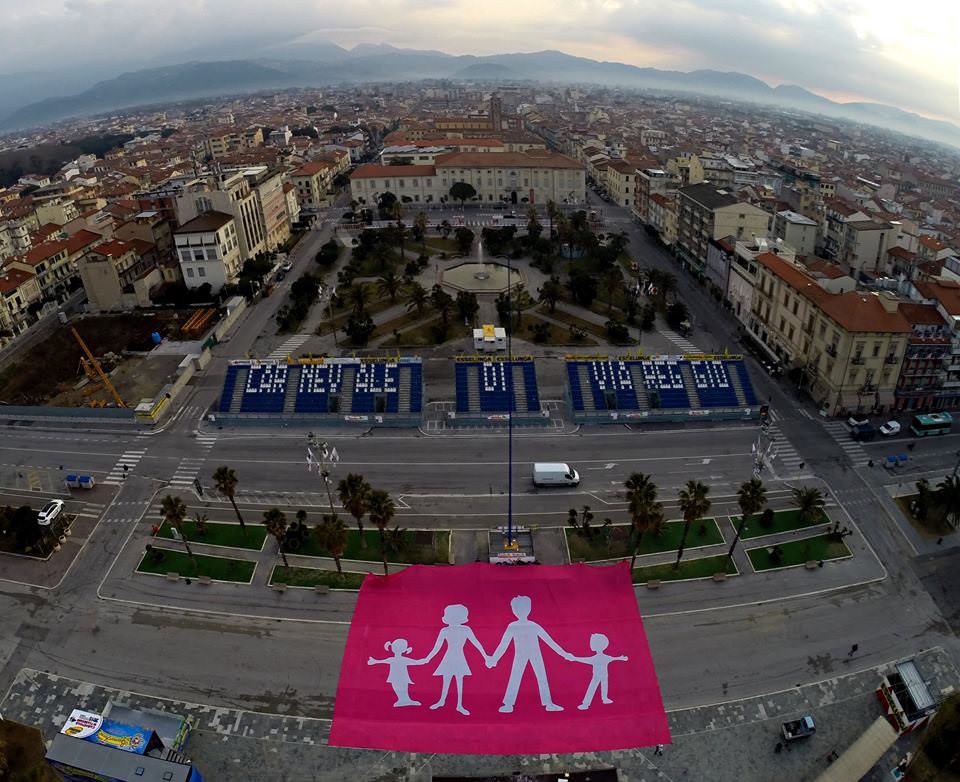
(864, 245)
(312, 181)
(228, 192)
(921, 382)
(945, 296)
(513, 177)
(231, 141)
(704, 213)
(646, 183)
(742, 274)
(267, 186)
(848, 345)
(208, 249)
(58, 211)
(19, 289)
(620, 182)
(55, 263)
(687, 169)
(796, 230)
(118, 275)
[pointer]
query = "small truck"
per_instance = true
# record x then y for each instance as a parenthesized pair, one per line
(798, 729)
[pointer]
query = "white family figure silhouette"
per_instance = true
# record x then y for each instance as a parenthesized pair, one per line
(454, 663)
(523, 634)
(600, 662)
(398, 675)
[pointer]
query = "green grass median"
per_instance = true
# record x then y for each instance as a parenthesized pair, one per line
(703, 567)
(220, 534)
(311, 577)
(798, 552)
(783, 521)
(420, 547)
(217, 568)
(615, 541)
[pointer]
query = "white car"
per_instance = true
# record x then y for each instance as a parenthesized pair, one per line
(49, 512)
(890, 428)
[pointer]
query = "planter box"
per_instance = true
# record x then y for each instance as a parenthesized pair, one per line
(719, 576)
(321, 589)
(173, 576)
(653, 584)
(280, 588)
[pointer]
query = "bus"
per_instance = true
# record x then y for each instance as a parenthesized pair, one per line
(931, 424)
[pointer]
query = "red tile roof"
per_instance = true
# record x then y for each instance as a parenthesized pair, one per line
(312, 168)
(947, 293)
(11, 279)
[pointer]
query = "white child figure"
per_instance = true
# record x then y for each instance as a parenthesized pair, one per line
(399, 677)
(454, 663)
(600, 662)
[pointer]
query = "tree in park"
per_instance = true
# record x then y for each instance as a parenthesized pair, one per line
(225, 481)
(357, 295)
(923, 499)
(385, 202)
(611, 281)
(550, 292)
(200, 523)
(174, 512)
(676, 314)
(389, 284)
(462, 192)
(354, 492)
(331, 535)
(948, 494)
(381, 508)
(445, 228)
(359, 327)
(275, 520)
(467, 305)
(751, 497)
(809, 502)
(534, 229)
(442, 303)
(694, 504)
(583, 287)
(417, 297)
(464, 239)
(645, 512)
(551, 215)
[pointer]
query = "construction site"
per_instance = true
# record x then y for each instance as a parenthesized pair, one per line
(105, 361)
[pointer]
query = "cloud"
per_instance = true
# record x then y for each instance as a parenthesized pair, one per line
(876, 49)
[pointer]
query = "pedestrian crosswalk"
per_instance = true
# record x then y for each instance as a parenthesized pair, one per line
(685, 345)
(189, 467)
(840, 432)
(125, 465)
(289, 347)
(783, 454)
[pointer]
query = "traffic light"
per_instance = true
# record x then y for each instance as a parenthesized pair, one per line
(198, 485)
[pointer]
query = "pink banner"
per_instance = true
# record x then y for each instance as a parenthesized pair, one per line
(498, 660)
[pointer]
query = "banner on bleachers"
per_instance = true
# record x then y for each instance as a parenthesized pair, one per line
(488, 359)
(495, 660)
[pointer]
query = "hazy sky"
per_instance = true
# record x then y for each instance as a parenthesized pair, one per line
(902, 53)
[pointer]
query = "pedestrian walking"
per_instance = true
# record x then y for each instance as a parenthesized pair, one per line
(658, 750)
(779, 748)
(853, 650)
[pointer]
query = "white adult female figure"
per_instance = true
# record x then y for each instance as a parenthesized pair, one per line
(454, 663)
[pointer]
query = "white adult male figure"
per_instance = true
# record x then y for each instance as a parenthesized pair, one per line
(525, 636)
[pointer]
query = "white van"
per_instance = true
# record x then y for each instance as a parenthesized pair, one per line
(554, 474)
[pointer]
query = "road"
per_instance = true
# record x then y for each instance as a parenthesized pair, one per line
(236, 646)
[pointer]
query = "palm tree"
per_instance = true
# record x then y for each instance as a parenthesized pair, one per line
(809, 502)
(751, 497)
(694, 503)
(645, 512)
(442, 303)
(275, 520)
(420, 228)
(174, 512)
(332, 537)
(551, 213)
(417, 297)
(389, 284)
(358, 295)
(533, 224)
(948, 494)
(225, 479)
(353, 492)
(382, 510)
(200, 523)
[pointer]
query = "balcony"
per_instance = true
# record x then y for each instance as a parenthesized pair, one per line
(832, 350)
(890, 360)
(857, 361)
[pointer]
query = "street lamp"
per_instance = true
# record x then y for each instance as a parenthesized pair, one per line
(321, 456)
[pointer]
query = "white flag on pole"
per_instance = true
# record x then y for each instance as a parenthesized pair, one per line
(334, 456)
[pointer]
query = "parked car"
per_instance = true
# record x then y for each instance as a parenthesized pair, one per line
(287, 267)
(864, 433)
(798, 729)
(856, 419)
(890, 428)
(49, 512)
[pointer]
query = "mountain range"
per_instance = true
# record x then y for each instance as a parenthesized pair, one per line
(320, 63)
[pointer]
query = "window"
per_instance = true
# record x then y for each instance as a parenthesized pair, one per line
(201, 272)
(876, 349)
(189, 272)
(791, 333)
(783, 325)
(796, 304)
(786, 298)
(198, 254)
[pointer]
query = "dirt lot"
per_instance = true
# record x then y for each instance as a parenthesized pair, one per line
(48, 372)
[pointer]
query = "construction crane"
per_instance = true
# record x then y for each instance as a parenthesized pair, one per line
(91, 362)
